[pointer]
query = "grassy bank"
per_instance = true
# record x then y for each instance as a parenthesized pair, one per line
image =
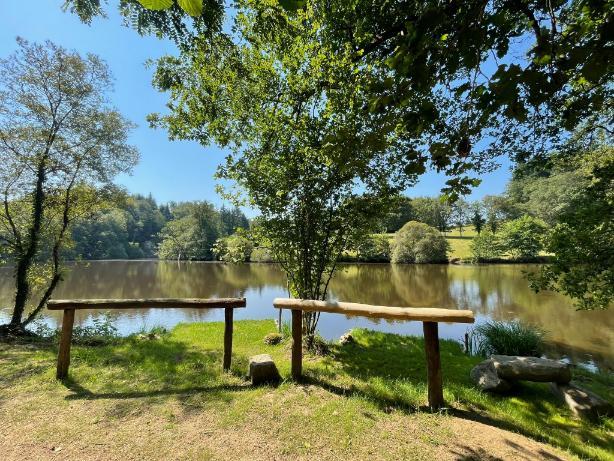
(167, 398)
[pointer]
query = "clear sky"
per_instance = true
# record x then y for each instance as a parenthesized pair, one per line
(176, 170)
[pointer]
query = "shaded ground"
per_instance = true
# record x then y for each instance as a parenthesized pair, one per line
(167, 399)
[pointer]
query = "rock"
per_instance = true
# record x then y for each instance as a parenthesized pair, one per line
(346, 338)
(262, 370)
(485, 376)
(581, 402)
(514, 368)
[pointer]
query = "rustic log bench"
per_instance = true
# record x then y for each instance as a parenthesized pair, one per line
(70, 305)
(430, 317)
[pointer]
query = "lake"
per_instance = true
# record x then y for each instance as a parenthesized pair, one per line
(498, 292)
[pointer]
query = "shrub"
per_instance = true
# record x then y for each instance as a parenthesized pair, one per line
(522, 238)
(417, 242)
(261, 255)
(273, 338)
(506, 338)
(374, 248)
(236, 248)
(485, 247)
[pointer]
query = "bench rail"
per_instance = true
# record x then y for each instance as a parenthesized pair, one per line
(430, 318)
(422, 314)
(70, 305)
(194, 303)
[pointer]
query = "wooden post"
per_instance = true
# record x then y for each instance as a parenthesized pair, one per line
(433, 365)
(228, 313)
(297, 344)
(66, 336)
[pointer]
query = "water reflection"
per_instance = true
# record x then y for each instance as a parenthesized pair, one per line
(492, 291)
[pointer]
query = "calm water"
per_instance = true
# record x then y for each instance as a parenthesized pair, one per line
(492, 291)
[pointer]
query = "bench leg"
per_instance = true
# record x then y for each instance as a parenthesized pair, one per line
(228, 313)
(297, 344)
(68, 321)
(433, 365)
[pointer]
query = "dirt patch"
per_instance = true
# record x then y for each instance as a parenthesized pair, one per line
(271, 425)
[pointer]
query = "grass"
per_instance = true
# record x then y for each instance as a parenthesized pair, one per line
(167, 398)
(506, 338)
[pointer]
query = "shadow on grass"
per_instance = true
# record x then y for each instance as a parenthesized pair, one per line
(390, 371)
(142, 368)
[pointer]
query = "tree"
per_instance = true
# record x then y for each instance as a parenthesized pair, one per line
(583, 238)
(522, 238)
(477, 219)
(61, 144)
(498, 209)
(401, 213)
(515, 76)
(192, 232)
(434, 211)
(320, 168)
(417, 242)
(233, 219)
(460, 214)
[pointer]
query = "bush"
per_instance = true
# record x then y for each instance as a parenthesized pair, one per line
(374, 248)
(417, 242)
(506, 338)
(236, 248)
(522, 238)
(485, 247)
(261, 255)
(273, 338)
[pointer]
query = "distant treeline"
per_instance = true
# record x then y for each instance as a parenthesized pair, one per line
(139, 227)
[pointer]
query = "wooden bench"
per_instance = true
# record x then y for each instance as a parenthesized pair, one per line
(70, 305)
(430, 317)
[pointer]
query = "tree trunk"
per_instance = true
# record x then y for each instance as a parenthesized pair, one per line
(26, 259)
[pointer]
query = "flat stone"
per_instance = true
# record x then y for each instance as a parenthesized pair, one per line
(536, 369)
(486, 378)
(582, 403)
(263, 370)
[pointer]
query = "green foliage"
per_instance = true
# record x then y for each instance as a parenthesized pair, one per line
(434, 211)
(374, 248)
(273, 339)
(320, 169)
(236, 248)
(506, 338)
(261, 255)
(62, 145)
(523, 238)
(417, 242)
(583, 239)
(192, 232)
(486, 247)
(402, 211)
(482, 76)
(477, 218)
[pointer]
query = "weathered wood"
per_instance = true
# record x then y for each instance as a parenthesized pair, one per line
(297, 344)
(228, 313)
(194, 303)
(433, 365)
(423, 314)
(68, 321)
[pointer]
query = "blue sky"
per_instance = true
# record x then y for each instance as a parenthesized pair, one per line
(176, 170)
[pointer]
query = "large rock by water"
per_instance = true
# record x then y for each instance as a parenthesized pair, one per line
(536, 369)
(263, 370)
(581, 402)
(485, 376)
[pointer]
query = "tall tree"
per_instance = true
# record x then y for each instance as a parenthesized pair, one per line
(319, 167)
(61, 144)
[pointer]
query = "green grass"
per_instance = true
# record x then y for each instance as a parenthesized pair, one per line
(379, 379)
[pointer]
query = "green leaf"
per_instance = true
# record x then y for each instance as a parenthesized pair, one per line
(292, 5)
(192, 7)
(156, 4)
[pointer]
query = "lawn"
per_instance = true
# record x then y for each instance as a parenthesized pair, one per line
(167, 398)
